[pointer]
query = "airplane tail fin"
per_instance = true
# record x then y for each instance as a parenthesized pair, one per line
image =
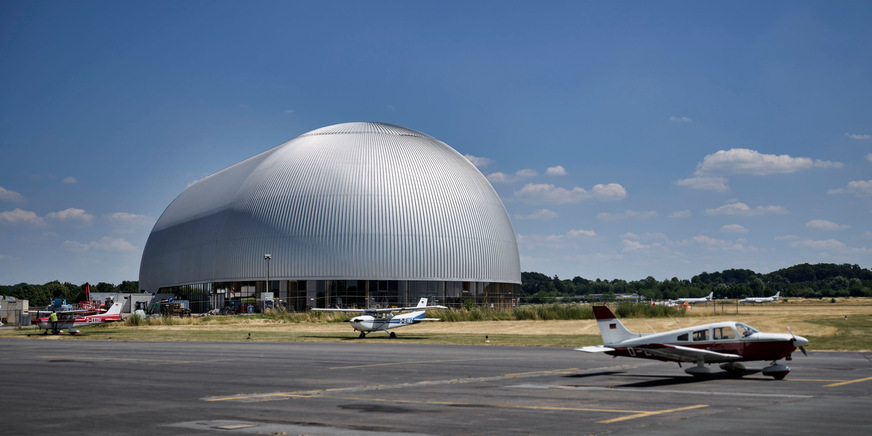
(422, 302)
(777, 294)
(611, 328)
(115, 309)
(711, 296)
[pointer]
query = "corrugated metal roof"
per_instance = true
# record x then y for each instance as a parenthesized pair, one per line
(348, 201)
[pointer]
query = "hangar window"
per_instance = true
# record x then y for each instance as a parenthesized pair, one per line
(700, 335)
(682, 337)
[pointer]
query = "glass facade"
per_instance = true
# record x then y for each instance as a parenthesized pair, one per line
(301, 295)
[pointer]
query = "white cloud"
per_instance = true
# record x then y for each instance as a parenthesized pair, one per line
(720, 244)
(71, 214)
(70, 180)
(541, 214)
(825, 225)
(860, 188)
(829, 244)
(734, 228)
(742, 209)
(609, 192)
(288, 111)
(19, 216)
(581, 233)
(634, 245)
(547, 193)
(827, 164)
(523, 174)
(499, 177)
(680, 119)
(105, 243)
(680, 214)
(556, 171)
(745, 161)
(526, 173)
(8, 195)
(858, 137)
(605, 216)
(478, 161)
(717, 184)
(869, 157)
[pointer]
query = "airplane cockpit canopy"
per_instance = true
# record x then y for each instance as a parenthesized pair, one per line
(746, 330)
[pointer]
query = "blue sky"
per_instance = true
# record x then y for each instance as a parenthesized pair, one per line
(626, 139)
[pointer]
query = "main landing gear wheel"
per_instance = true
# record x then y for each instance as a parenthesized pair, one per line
(362, 335)
(393, 335)
(734, 369)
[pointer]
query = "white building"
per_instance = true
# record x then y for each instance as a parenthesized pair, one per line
(351, 215)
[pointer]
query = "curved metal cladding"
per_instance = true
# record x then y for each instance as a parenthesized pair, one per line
(350, 201)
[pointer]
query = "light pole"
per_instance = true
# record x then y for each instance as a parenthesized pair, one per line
(267, 258)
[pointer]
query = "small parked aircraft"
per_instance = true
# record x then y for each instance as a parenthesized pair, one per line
(71, 319)
(373, 320)
(681, 301)
(761, 299)
(726, 342)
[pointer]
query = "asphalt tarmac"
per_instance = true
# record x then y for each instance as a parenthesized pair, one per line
(72, 387)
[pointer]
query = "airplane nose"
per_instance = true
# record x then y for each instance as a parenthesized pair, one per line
(799, 341)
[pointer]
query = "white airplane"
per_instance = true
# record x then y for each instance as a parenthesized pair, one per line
(373, 320)
(726, 342)
(694, 300)
(762, 299)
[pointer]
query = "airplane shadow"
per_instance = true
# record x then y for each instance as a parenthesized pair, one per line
(368, 338)
(593, 374)
(656, 381)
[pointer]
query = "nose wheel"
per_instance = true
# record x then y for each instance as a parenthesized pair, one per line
(776, 371)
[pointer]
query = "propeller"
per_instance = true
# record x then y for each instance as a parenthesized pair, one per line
(793, 341)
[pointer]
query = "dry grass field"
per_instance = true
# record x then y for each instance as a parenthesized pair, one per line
(844, 325)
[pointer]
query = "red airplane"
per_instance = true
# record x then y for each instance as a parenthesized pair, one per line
(70, 319)
(726, 342)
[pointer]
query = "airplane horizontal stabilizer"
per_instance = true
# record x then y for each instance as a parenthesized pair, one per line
(595, 349)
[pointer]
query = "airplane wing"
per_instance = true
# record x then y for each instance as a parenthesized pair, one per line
(686, 354)
(595, 349)
(388, 309)
(343, 310)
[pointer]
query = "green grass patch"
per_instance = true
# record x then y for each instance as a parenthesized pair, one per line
(854, 334)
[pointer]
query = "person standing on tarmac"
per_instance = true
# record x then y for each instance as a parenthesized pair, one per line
(54, 321)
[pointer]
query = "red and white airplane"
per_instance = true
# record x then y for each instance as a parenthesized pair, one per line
(727, 343)
(71, 319)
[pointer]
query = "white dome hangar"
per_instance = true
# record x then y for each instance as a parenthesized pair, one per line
(352, 215)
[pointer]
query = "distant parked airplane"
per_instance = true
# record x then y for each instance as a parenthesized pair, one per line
(693, 300)
(373, 320)
(761, 299)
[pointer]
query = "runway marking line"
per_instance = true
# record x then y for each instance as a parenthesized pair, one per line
(834, 383)
(847, 382)
(119, 359)
(412, 363)
(313, 392)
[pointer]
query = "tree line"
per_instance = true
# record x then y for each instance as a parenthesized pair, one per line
(42, 295)
(824, 280)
